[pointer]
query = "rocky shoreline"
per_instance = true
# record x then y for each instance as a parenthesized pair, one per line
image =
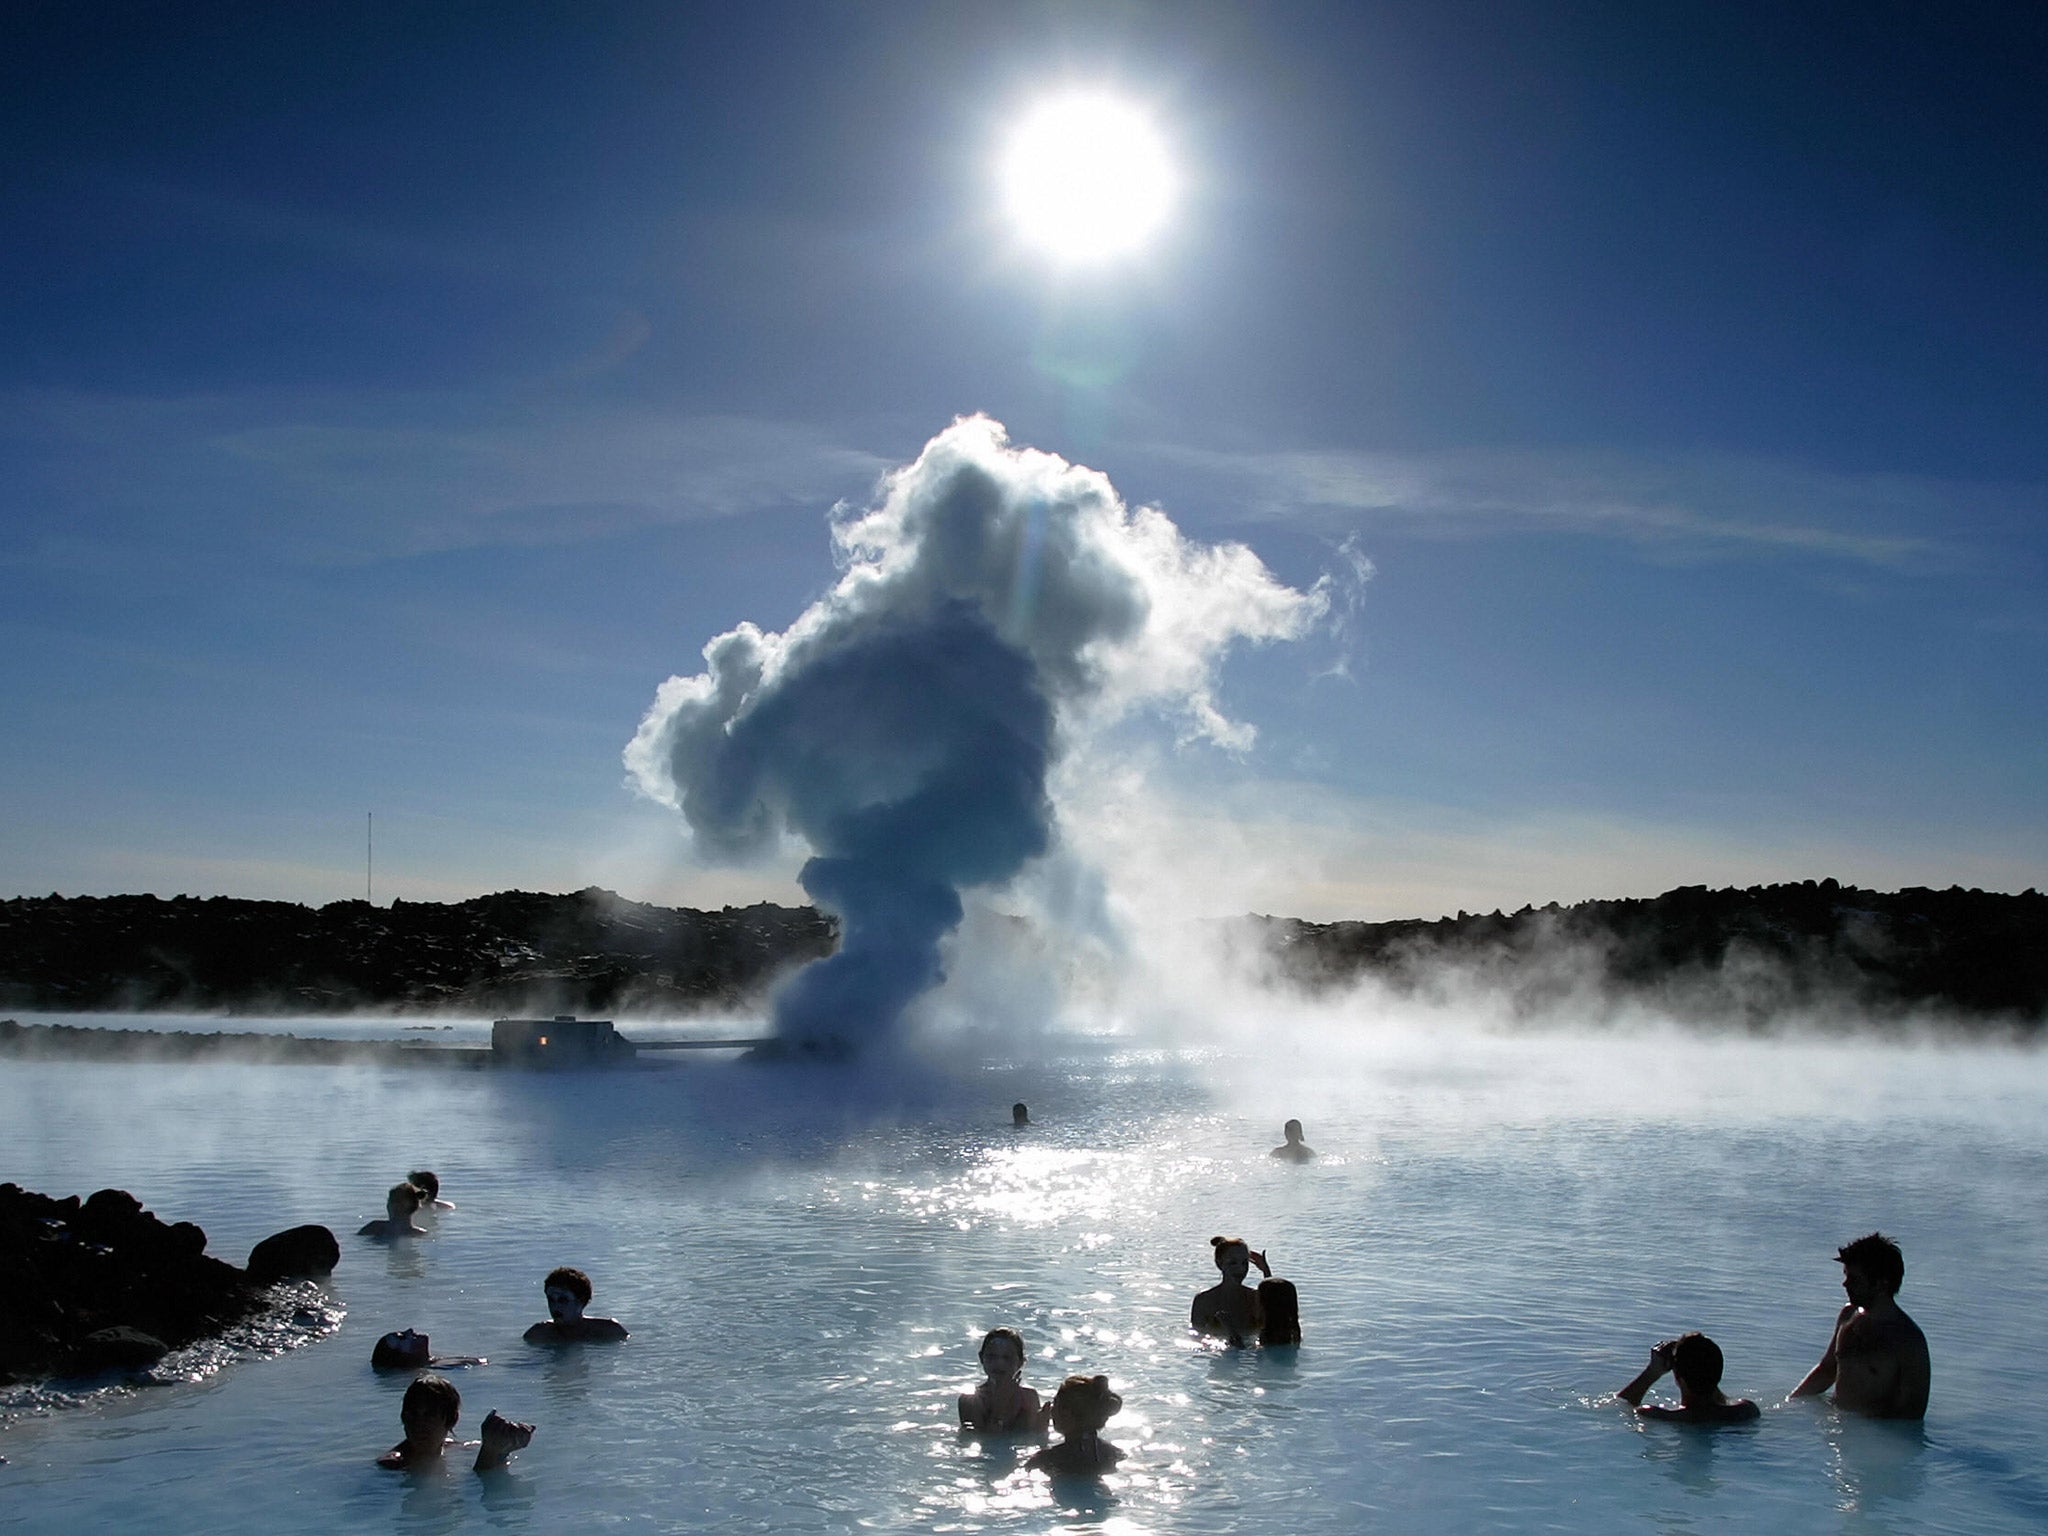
(1817, 951)
(1742, 957)
(99, 1284)
(516, 952)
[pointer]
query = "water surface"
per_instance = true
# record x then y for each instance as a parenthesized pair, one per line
(1495, 1232)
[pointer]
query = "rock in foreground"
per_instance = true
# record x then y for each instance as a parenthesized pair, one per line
(101, 1284)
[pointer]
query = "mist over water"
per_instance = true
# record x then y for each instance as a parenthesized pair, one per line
(1497, 1227)
(997, 607)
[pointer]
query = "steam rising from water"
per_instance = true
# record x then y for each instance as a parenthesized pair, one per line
(998, 607)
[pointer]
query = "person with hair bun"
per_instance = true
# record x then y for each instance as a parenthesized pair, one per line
(1081, 1407)
(1230, 1307)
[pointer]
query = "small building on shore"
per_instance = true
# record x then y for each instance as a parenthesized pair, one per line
(564, 1040)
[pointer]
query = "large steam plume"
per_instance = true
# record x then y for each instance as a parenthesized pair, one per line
(997, 606)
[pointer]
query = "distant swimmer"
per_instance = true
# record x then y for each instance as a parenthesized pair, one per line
(1877, 1359)
(1002, 1405)
(429, 1413)
(399, 1206)
(568, 1293)
(409, 1351)
(1080, 1409)
(1694, 1362)
(1230, 1307)
(428, 1183)
(1279, 1313)
(1019, 1115)
(1296, 1150)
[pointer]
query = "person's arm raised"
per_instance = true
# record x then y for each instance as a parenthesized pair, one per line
(1660, 1363)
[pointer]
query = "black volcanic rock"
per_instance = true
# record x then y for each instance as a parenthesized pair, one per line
(516, 951)
(102, 1284)
(1747, 957)
(297, 1253)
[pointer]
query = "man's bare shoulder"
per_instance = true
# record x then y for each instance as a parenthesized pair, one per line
(1890, 1331)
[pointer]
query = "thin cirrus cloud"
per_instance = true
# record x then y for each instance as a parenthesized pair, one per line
(333, 480)
(1682, 505)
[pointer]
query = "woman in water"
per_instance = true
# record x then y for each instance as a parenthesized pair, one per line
(1002, 1405)
(1279, 1313)
(1230, 1307)
(1080, 1408)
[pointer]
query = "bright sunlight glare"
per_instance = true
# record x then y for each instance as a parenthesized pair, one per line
(1086, 178)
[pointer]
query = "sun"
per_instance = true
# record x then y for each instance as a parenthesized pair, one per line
(1087, 178)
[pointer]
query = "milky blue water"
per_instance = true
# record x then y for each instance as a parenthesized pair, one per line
(1495, 1232)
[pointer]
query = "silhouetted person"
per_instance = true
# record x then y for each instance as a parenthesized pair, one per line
(1694, 1361)
(1296, 1150)
(1279, 1312)
(1002, 1405)
(399, 1206)
(1877, 1359)
(1081, 1407)
(568, 1293)
(429, 1413)
(1230, 1307)
(1019, 1115)
(428, 1183)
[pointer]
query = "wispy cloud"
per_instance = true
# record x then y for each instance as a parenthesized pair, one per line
(334, 478)
(1689, 505)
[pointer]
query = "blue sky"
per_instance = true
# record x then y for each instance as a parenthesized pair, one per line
(394, 396)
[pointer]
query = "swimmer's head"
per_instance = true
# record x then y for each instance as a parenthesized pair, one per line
(1292, 1131)
(1281, 1310)
(1002, 1352)
(428, 1401)
(428, 1183)
(568, 1293)
(401, 1351)
(1870, 1261)
(1019, 1115)
(1084, 1404)
(403, 1200)
(1233, 1256)
(1696, 1362)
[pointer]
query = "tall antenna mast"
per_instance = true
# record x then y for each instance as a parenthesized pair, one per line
(370, 859)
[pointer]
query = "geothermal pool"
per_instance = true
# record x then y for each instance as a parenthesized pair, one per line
(1497, 1229)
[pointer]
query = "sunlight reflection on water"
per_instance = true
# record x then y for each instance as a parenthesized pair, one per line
(1494, 1233)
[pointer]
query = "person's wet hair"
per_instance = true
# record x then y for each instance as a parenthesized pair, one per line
(1292, 1130)
(1281, 1310)
(435, 1393)
(1877, 1256)
(428, 1181)
(1087, 1402)
(406, 1194)
(1223, 1245)
(400, 1351)
(572, 1280)
(1010, 1334)
(1696, 1362)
